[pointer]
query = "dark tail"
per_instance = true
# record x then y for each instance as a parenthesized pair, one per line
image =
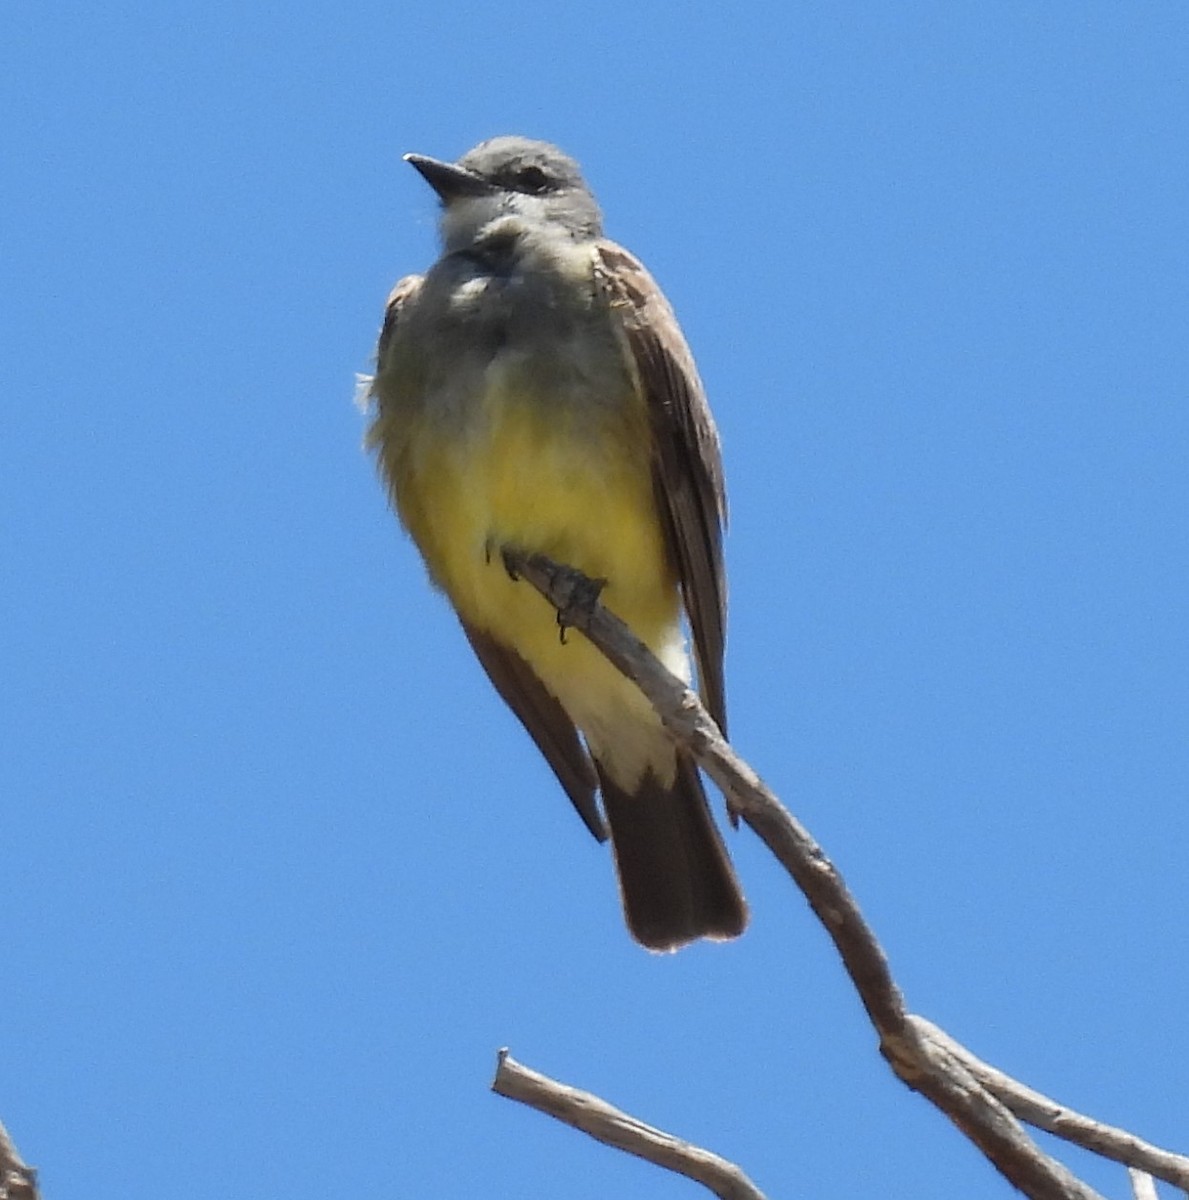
(675, 878)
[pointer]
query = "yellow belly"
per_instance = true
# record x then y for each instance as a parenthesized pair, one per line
(580, 491)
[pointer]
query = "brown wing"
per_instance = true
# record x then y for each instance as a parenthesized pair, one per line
(687, 463)
(545, 720)
(405, 290)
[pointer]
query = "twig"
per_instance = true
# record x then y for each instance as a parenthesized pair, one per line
(936, 1066)
(615, 1128)
(1142, 1185)
(18, 1180)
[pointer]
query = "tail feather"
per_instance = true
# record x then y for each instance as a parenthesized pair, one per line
(675, 879)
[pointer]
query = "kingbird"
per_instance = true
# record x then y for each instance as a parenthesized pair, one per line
(533, 391)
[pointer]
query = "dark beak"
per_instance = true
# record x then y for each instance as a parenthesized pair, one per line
(450, 182)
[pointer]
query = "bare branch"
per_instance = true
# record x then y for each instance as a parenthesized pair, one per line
(615, 1128)
(1039, 1110)
(689, 723)
(929, 1068)
(918, 1052)
(18, 1180)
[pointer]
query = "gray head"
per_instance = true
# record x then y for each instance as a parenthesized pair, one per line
(510, 177)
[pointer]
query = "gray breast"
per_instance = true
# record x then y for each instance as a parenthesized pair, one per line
(532, 331)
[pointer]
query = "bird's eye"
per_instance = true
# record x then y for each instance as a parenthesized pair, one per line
(532, 180)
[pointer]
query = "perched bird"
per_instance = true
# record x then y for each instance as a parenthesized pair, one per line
(533, 391)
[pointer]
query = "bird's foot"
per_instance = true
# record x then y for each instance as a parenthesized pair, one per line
(583, 596)
(574, 594)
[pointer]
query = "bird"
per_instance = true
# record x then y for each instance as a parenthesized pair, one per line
(533, 392)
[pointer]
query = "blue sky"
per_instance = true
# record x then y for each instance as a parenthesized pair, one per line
(282, 874)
